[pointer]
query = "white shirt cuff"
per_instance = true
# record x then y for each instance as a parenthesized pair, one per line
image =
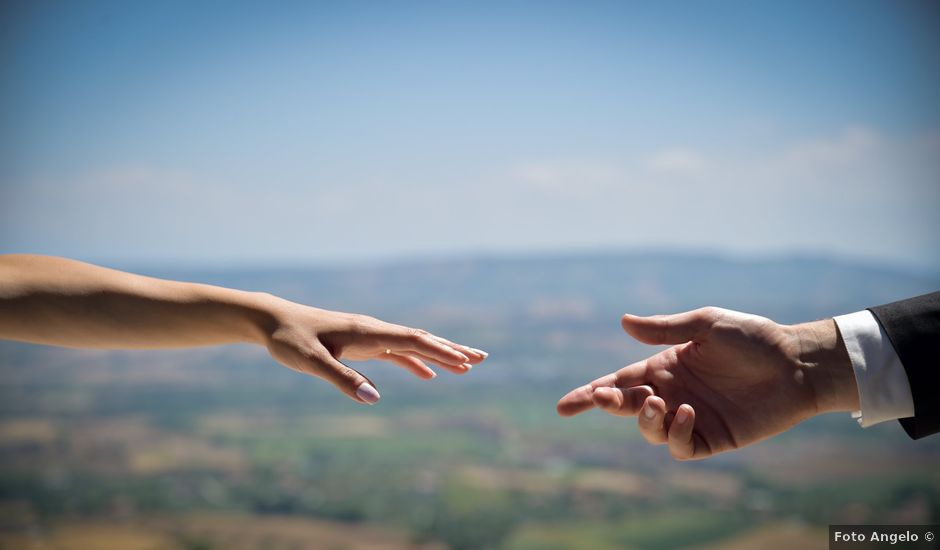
(884, 392)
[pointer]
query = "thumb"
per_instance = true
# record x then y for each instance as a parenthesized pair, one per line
(348, 380)
(671, 329)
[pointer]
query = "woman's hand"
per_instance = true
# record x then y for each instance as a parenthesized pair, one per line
(313, 341)
(61, 302)
(728, 380)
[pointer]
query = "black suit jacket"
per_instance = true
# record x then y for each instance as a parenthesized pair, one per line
(913, 326)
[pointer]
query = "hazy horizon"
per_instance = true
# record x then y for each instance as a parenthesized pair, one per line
(496, 255)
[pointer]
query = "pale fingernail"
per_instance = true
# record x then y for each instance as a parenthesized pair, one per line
(467, 366)
(649, 412)
(682, 415)
(368, 393)
(480, 352)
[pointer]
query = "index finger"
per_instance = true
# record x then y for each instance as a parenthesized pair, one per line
(399, 338)
(581, 399)
(476, 355)
(576, 401)
(633, 374)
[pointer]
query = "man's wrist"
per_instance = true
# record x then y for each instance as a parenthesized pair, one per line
(827, 367)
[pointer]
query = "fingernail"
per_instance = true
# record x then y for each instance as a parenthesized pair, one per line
(467, 366)
(649, 412)
(480, 352)
(682, 415)
(368, 393)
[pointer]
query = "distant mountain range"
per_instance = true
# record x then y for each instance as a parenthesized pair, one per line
(581, 287)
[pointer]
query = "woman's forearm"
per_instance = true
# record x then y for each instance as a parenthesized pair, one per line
(64, 302)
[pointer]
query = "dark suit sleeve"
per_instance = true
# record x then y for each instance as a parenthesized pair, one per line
(913, 326)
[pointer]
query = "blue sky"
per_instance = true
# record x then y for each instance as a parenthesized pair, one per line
(316, 132)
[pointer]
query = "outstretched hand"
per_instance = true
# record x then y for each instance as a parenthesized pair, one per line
(313, 341)
(62, 302)
(728, 380)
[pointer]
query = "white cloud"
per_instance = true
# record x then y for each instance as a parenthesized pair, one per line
(572, 177)
(677, 162)
(592, 179)
(856, 192)
(852, 145)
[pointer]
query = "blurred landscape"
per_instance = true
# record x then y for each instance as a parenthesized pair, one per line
(223, 448)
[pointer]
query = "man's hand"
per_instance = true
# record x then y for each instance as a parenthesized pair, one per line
(730, 379)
